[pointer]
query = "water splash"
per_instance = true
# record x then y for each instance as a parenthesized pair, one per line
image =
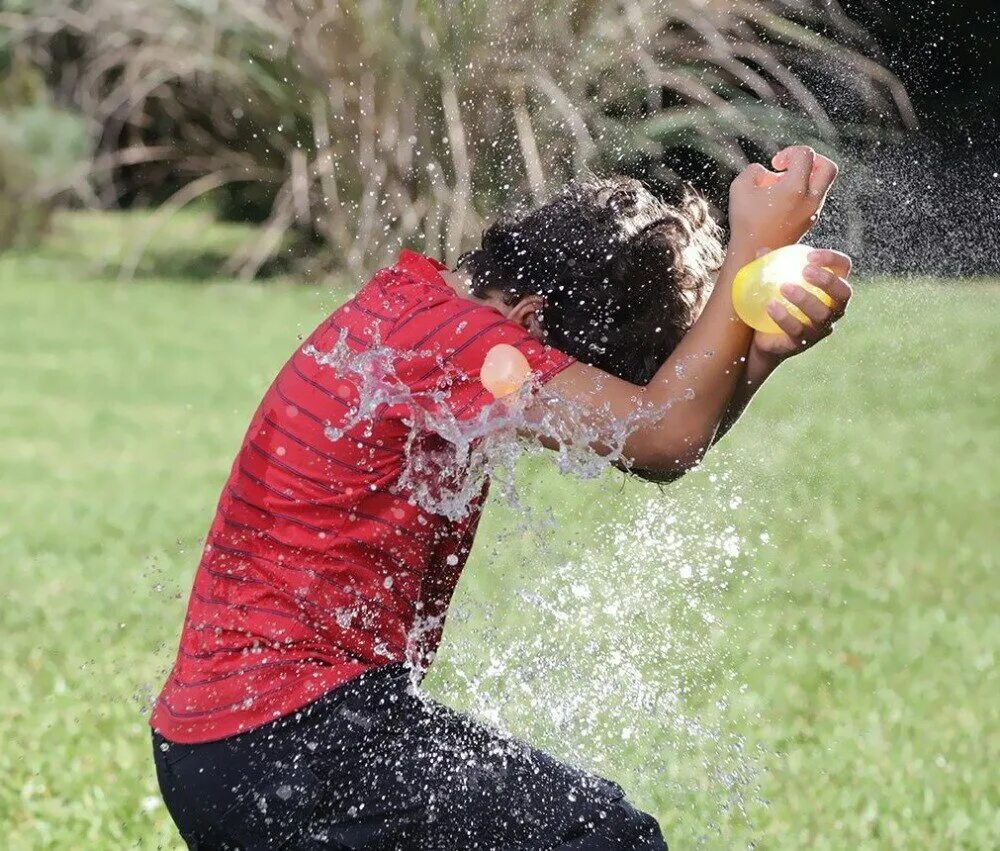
(445, 478)
(619, 656)
(615, 651)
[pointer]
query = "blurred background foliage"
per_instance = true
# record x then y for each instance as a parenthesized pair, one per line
(348, 128)
(41, 148)
(857, 647)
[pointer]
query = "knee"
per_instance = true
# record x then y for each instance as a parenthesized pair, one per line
(615, 824)
(635, 830)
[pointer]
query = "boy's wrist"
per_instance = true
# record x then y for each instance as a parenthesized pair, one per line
(760, 364)
(741, 250)
(748, 245)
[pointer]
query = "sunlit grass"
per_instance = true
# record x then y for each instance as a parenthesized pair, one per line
(185, 245)
(865, 632)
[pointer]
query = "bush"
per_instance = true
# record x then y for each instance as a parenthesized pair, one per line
(54, 142)
(24, 214)
(42, 149)
(365, 124)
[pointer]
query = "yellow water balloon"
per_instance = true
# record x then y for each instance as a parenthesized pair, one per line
(760, 281)
(504, 370)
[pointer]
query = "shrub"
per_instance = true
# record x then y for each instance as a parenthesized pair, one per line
(42, 149)
(24, 214)
(364, 123)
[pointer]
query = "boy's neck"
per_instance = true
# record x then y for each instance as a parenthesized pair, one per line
(461, 283)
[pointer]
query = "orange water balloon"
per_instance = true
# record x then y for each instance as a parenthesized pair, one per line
(504, 371)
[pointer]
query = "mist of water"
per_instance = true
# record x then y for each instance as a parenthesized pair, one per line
(610, 652)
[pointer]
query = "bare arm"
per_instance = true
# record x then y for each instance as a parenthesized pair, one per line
(677, 414)
(700, 386)
(758, 370)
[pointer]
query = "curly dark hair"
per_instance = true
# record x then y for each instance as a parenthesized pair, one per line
(624, 274)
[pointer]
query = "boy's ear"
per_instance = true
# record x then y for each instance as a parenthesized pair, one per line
(527, 313)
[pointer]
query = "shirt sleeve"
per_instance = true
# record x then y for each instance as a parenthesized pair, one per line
(468, 396)
(463, 334)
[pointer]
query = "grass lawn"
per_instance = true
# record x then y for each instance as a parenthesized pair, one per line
(795, 646)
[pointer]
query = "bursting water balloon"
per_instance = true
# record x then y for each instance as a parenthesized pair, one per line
(504, 370)
(760, 281)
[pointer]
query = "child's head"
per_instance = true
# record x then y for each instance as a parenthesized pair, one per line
(623, 274)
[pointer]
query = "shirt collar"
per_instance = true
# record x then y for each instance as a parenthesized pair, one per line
(423, 267)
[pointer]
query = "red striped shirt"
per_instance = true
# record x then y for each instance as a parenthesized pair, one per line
(321, 563)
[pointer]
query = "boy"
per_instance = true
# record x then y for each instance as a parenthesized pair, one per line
(290, 718)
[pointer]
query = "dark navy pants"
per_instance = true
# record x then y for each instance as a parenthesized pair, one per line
(376, 765)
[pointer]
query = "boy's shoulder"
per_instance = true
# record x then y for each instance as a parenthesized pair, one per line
(411, 305)
(442, 337)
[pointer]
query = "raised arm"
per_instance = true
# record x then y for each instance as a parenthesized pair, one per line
(678, 414)
(828, 270)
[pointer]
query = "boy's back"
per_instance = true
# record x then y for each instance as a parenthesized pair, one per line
(315, 568)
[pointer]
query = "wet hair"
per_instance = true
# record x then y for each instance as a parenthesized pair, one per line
(624, 273)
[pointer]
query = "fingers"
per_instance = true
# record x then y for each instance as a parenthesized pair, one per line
(794, 328)
(766, 178)
(836, 261)
(797, 162)
(758, 175)
(819, 314)
(780, 159)
(824, 172)
(832, 284)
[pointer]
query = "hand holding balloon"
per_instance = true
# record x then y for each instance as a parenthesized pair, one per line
(759, 283)
(792, 297)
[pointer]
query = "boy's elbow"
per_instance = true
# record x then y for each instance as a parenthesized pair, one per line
(668, 463)
(657, 477)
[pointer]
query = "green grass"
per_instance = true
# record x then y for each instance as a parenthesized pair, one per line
(185, 245)
(852, 657)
